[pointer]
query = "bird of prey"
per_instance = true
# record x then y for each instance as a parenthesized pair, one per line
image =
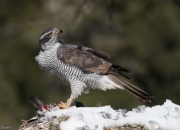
(82, 68)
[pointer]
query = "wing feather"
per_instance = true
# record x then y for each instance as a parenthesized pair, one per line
(83, 59)
(100, 54)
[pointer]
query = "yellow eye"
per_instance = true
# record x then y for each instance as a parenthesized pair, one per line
(50, 34)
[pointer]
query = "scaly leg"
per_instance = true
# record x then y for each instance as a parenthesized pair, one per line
(65, 105)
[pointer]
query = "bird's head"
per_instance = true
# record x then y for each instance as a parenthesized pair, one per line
(48, 38)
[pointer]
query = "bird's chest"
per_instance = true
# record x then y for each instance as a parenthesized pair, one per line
(47, 60)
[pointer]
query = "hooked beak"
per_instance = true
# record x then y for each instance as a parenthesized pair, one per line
(58, 31)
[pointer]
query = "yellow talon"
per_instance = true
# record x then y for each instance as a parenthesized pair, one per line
(65, 105)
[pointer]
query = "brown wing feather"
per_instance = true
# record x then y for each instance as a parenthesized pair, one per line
(82, 59)
(100, 54)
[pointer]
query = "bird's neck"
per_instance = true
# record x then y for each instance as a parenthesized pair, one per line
(62, 43)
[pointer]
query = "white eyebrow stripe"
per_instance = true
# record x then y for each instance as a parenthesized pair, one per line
(45, 34)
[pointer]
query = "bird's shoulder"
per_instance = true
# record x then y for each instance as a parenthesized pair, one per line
(100, 54)
(81, 57)
(68, 48)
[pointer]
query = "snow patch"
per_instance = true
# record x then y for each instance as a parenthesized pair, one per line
(160, 117)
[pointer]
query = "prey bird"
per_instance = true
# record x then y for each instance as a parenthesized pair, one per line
(82, 68)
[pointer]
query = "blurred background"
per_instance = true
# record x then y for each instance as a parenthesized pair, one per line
(142, 36)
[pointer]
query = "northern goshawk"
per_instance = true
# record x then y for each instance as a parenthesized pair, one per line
(82, 68)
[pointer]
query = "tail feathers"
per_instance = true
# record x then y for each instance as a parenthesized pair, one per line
(132, 89)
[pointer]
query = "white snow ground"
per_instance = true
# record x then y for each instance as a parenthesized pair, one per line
(160, 117)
